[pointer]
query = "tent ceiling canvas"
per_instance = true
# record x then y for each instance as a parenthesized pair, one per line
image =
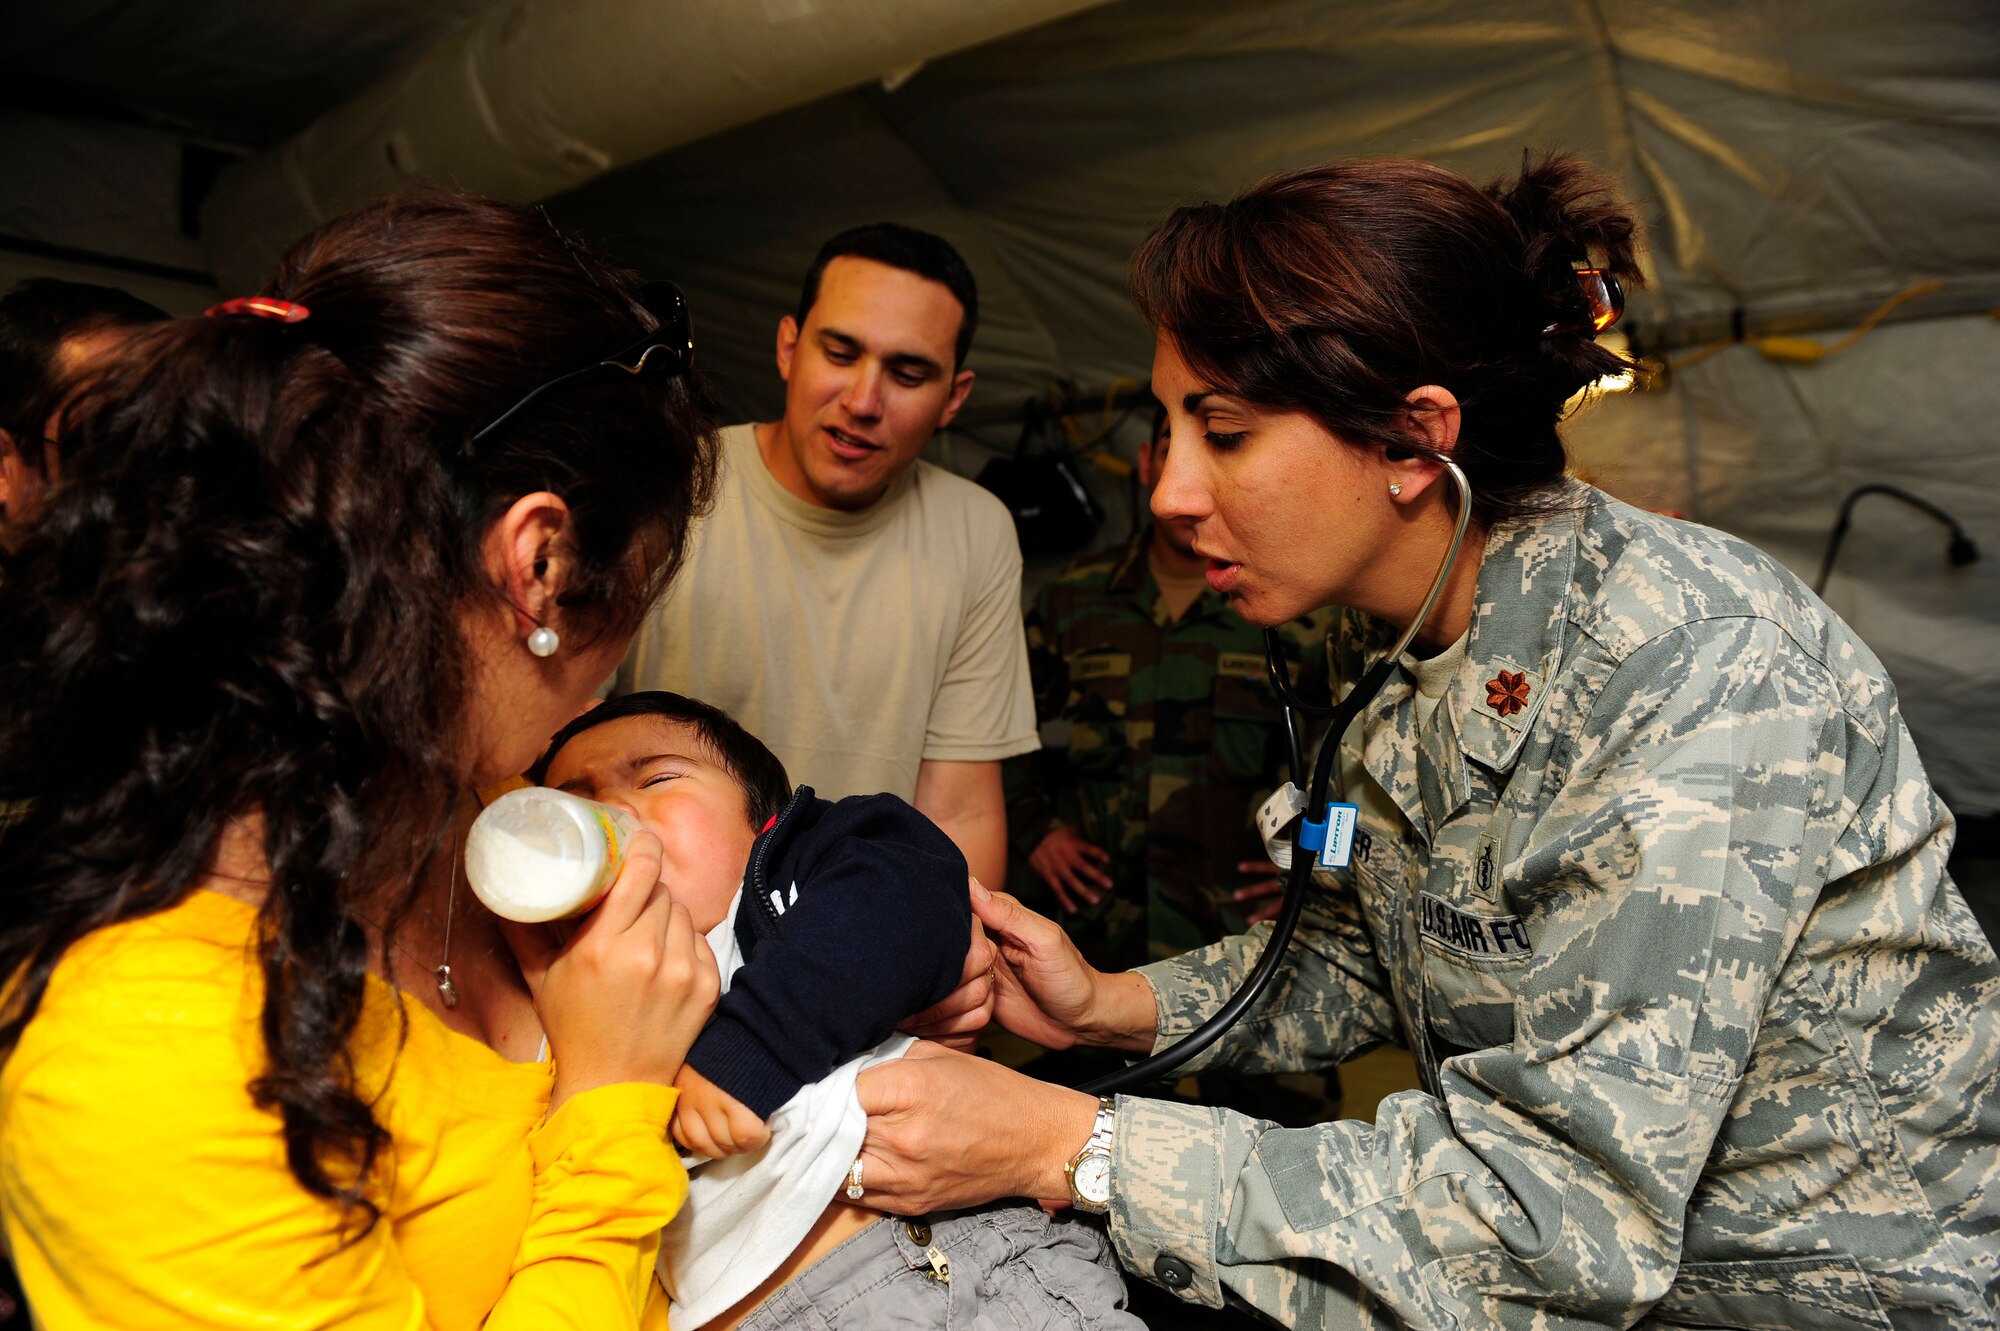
(236, 72)
(1794, 159)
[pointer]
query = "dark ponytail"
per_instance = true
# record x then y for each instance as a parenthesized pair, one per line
(1568, 217)
(1338, 289)
(244, 606)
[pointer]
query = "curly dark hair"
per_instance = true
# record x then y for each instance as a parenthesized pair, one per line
(36, 318)
(1337, 289)
(247, 596)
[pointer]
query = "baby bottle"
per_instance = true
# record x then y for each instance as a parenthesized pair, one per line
(538, 854)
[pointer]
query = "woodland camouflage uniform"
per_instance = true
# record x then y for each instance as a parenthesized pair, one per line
(1167, 737)
(1658, 900)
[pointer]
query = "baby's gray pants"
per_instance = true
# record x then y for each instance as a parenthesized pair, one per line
(1013, 1268)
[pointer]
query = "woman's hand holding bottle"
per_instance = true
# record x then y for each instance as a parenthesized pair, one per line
(624, 997)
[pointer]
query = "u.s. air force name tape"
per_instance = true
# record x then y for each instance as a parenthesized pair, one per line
(1474, 935)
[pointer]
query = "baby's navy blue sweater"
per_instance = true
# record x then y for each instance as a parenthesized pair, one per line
(855, 916)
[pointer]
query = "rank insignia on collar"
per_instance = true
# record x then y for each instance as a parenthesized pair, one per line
(1509, 693)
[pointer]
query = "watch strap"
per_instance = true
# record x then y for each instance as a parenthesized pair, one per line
(1100, 1131)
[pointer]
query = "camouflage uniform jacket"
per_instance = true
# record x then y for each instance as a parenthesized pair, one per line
(1658, 899)
(1173, 739)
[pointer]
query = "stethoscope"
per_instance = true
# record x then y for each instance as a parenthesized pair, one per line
(1309, 837)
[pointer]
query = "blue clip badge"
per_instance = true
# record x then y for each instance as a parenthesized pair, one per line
(1338, 849)
(1332, 837)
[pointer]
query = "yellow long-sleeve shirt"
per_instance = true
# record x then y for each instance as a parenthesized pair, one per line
(142, 1188)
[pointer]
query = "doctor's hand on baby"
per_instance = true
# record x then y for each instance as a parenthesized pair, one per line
(1041, 988)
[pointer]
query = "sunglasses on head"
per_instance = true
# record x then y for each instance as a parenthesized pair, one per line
(667, 350)
(1605, 298)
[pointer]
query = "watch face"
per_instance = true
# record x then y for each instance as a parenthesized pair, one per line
(1093, 1178)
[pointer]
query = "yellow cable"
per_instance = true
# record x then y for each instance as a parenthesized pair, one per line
(1697, 357)
(1105, 422)
(1805, 351)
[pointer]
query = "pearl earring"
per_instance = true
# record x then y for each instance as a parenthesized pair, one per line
(543, 641)
(1395, 489)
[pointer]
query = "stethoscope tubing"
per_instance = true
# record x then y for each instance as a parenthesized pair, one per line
(1299, 876)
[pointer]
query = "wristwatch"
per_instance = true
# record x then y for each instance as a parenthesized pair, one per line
(1089, 1170)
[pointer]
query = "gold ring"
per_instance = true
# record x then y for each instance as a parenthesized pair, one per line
(854, 1180)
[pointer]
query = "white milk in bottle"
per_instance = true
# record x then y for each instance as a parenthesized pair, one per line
(538, 854)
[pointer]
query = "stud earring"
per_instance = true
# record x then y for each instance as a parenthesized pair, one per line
(543, 641)
(1395, 489)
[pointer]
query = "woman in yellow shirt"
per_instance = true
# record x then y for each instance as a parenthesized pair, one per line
(319, 566)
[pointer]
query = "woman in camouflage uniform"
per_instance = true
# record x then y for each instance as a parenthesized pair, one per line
(1649, 877)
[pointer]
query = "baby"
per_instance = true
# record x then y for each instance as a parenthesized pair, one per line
(831, 923)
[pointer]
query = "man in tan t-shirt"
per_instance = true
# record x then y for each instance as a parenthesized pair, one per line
(855, 607)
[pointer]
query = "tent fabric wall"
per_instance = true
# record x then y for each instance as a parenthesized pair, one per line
(245, 73)
(1866, 167)
(1768, 451)
(526, 100)
(105, 189)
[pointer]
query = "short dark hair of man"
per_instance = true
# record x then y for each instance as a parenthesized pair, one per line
(911, 250)
(755, 769)
(36, 318)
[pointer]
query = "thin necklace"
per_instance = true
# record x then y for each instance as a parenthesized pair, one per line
(447, 991)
